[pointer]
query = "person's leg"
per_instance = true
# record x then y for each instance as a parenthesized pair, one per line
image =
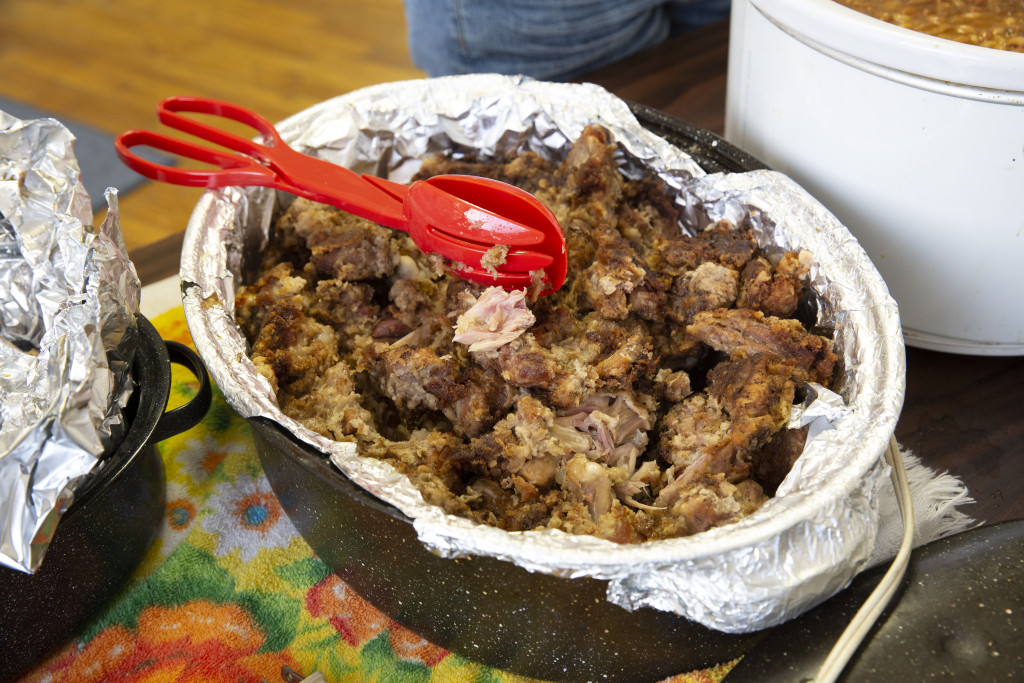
(550, 39)
(687, 15)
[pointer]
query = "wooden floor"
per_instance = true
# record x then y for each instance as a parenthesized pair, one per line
(107, 64)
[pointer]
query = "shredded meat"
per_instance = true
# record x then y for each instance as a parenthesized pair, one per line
(495, 319)
(645, 399)
(742, 333)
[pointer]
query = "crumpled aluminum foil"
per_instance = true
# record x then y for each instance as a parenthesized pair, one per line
(801, 547)
(67, 334)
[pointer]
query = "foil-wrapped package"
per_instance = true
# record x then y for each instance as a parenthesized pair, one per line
(802, 546)
(67, 334)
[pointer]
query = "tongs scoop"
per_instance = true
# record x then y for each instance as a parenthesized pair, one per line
(462, 218)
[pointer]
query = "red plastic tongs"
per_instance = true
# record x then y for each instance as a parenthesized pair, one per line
(456, 216)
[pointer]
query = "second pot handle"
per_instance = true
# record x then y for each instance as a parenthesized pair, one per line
(188, 415)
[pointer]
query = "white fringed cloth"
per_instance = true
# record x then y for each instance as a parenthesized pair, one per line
(936, 496)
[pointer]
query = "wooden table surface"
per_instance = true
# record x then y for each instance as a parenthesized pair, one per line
(962, 414)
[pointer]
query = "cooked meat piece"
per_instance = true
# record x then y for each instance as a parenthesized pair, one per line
(647, 301)
(333, 408)
(348, 307)
(408, 297)
(675, 347)
(566, 382)
(390, 328)
(473, 400)
(554, 324)
(495, 319)
(342, 245)
(648, 214)
(742, 333)
(611, 428)
(459, 295)
(588, 195)
(641, 483)
(713, 502)
(591, 176)
(720, 243)
(705, 288)
(609, 335)
(520, 455)
(693, 428)
(529, 171)
(756, 392)
(628, 362)
(295, 349)
(279, 286)
(610, 280)
(747, 401)
(774, 291)
(417, 376)
(589, 483)
(487, 397)
(673, 386)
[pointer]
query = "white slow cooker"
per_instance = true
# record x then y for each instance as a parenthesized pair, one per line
(915, 143)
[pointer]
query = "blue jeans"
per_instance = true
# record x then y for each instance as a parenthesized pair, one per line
(546, 39)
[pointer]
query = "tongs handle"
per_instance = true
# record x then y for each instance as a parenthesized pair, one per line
(268, 162)
(167, 110)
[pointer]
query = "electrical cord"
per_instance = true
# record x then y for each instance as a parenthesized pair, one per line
(869, 612)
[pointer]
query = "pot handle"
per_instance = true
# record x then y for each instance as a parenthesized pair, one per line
(185, 416)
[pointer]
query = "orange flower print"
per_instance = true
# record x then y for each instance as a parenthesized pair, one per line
(192, 643)
(408, 645)
(258, 511)
(198, 623)
(203, 456)
(180, 513)
(102, 659)
(213, 458)
(245, 514)
(356, 620)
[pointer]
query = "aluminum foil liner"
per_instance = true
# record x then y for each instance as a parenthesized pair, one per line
(800, 547)
(67, 334)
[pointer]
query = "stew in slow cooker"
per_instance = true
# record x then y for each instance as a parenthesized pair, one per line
(997, 24)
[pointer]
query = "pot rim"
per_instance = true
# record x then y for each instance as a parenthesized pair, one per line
(900, 54)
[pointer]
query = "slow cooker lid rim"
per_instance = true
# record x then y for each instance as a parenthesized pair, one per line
(871, 44)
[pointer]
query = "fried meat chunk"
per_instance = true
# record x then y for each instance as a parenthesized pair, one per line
(563, 375)
(341, 245)
(742, 333)
(705, 288)
(333, 408)
(609, 281)
(277, 287)
(416, 377)
(720, 243)
(776, 290)
(293, 350)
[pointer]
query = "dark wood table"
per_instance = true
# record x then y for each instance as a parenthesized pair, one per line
(962, 414)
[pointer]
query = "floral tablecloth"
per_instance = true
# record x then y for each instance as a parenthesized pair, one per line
(231, 592)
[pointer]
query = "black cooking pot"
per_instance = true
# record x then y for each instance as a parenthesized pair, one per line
(489, 610)
(116, 515)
